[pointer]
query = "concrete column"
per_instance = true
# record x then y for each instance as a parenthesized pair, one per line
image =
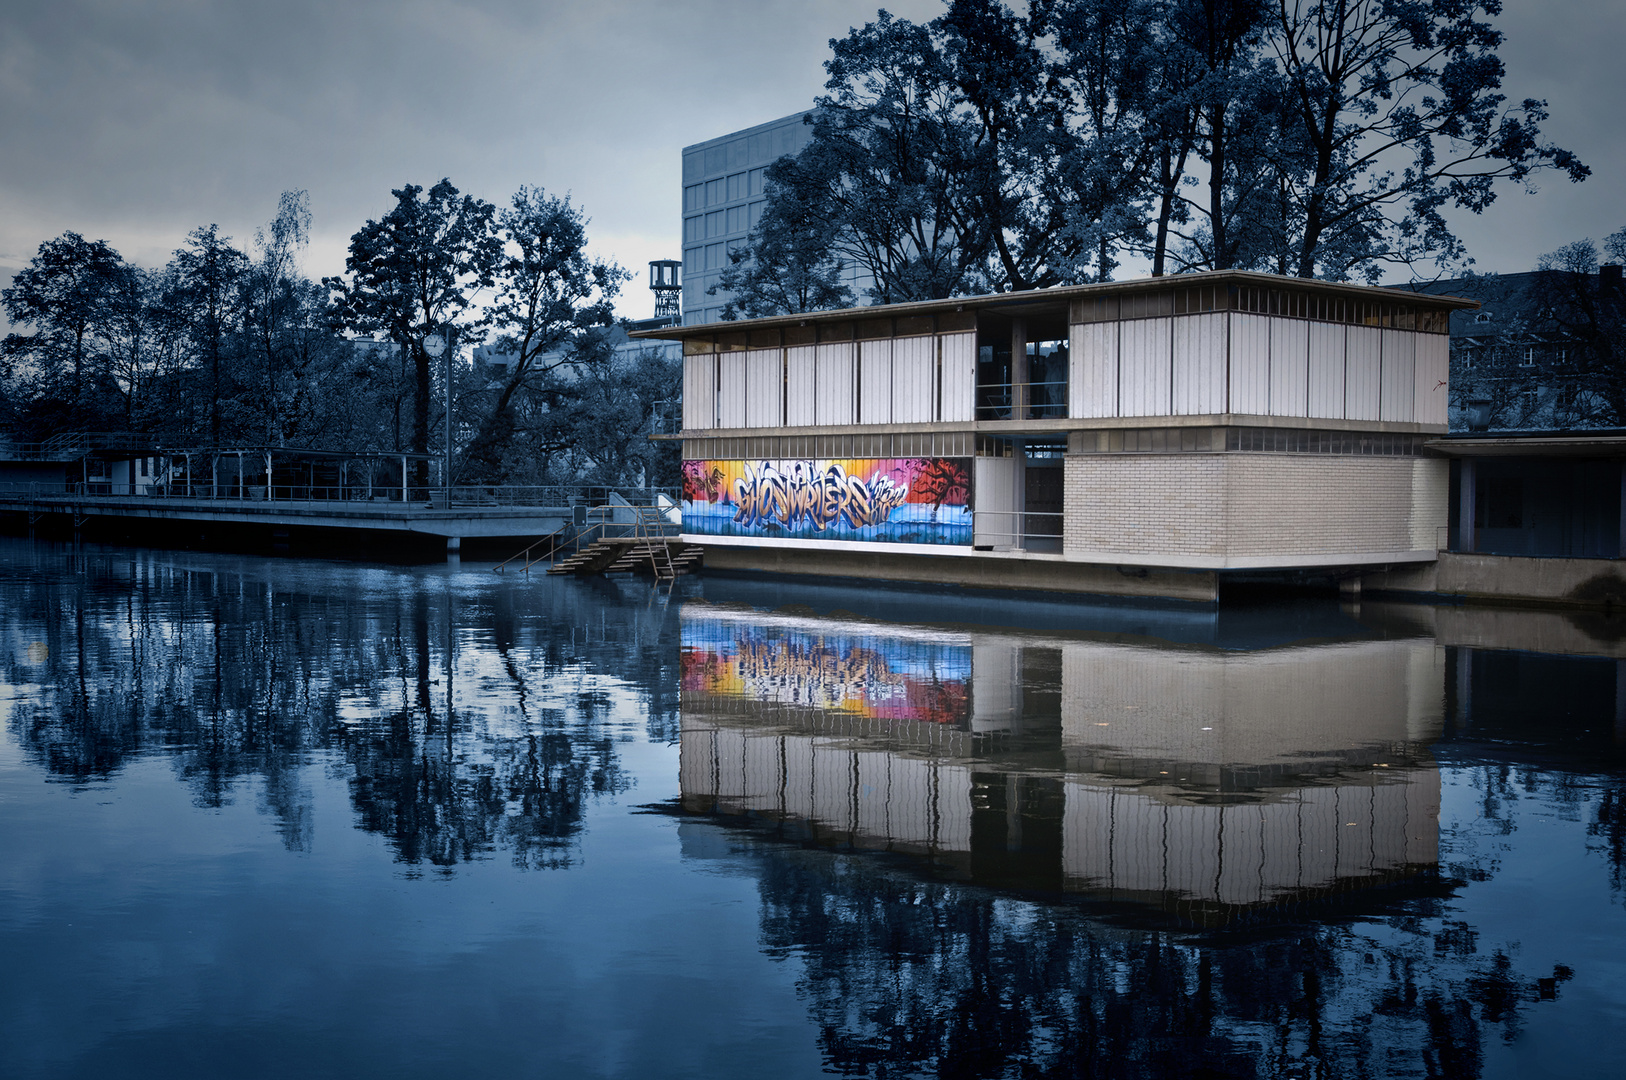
(1465, 505)
(454, 546)
(1019, 369)
(1621, 550)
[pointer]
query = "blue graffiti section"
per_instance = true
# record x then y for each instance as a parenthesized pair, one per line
(802, 494)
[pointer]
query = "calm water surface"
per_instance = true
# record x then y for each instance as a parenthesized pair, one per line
(272, 817)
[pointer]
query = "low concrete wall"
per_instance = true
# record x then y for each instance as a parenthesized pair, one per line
(1593, 583)
(1201, 586)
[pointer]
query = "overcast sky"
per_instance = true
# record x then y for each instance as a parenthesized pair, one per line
(135, 121)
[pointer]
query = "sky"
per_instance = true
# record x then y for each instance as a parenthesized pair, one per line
(135, 121)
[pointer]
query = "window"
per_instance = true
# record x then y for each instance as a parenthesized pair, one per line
(715, 259)
(756, 213)
(694, 197)
(714, 192)
(736, 219)
(714, 223)
(736, 187)
(1561, 353)
(757, 178)
(1528, 357)
(1482, 317)
(694, 228)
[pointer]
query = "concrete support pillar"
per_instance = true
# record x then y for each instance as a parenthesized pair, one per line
(1019, 369)
(1465, 687)
(1465, 505)
(454, 546)
(1620, 702)
(1621, 542)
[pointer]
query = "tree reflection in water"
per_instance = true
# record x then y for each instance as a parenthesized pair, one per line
(241, 670)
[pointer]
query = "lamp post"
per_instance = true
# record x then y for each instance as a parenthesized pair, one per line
(435, 345)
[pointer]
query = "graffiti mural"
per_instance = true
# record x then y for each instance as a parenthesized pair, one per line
(828, 669)
(897, 500)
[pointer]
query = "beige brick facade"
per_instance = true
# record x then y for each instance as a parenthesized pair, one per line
(1240, 510)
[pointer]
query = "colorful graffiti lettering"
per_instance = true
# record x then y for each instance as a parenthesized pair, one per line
(885, 500)
(803, 495)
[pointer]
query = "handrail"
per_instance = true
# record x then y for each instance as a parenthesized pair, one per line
(466, 497)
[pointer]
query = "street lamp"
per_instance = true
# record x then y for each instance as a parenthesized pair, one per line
(435, 345)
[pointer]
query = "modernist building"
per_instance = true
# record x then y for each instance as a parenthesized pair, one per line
(1143, 437)
(723, 197)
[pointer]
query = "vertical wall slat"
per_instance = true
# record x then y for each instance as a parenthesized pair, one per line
(799, 386)
(1289, 366)
(1145, 366)
(875, 382)
(1399, 392)
(914, 380)
(1093, 381)
(1327, 370)
(765, 388)
(1363, 368)
(731, 390)
(1250, 363)
(833, 373)
(1432, 371)
(959, 375)
(1199, 365)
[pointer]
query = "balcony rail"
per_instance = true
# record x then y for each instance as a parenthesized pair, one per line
(1045, 401)
(1017, 530)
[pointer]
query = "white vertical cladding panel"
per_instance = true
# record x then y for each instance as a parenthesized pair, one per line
(959, 375)
(800, 385)
(914, 380)
(731, 390)
(1289, 367)
(996, 485)
(1144, 371)
(1398, 398)
(700, 391)
(1363, 371)
(1327, 370)
(835, 386)
(1093, 382)
(1199, 365)
(765, 388)
(875, 382)
(1433, 369)
(1250, 363)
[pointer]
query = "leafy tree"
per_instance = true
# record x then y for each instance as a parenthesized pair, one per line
(64, 295)
(415, 271)
(549, 296)
(1395, 108)
(596, 417)
(204, 279)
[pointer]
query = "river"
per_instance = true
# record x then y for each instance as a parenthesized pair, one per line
(272, 817)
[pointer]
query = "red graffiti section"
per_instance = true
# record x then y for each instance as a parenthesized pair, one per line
(802, 495)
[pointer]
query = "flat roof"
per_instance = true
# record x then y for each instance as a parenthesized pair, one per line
(1572, 444)
(1048, 301)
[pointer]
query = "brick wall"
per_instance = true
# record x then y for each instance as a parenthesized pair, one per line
(1252, 507)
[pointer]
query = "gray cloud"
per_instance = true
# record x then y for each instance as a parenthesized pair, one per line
(137, 120)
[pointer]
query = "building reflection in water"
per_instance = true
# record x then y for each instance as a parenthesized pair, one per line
(1206, 782)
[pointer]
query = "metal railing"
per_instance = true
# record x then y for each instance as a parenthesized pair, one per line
(1045, 401)
(463, 497)
(1017, 530)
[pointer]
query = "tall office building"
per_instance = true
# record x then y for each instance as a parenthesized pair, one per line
(723, 201)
